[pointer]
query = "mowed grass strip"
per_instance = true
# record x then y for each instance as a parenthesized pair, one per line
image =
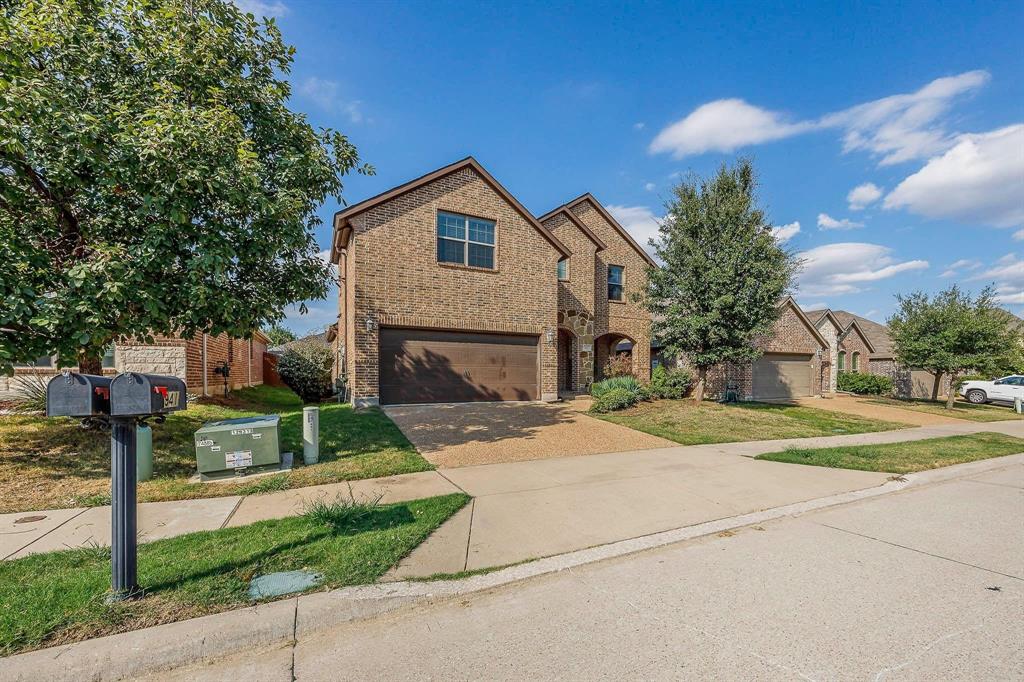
(56, 598)
(961, 409)
(686, 423)
(53, 463)
(905, 458)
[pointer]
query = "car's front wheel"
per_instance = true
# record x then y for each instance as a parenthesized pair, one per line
(976, 396)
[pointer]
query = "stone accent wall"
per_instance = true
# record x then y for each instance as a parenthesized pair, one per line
(831, 333)
(393, 277)
(165, 360)
(628, 318)
(576, 298)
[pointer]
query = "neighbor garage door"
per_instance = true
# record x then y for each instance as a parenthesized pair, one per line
(421, 366)
(781, 375)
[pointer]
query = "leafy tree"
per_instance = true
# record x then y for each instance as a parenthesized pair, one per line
(951, 334)
(152, 177)
(279, 334)
(723, 275)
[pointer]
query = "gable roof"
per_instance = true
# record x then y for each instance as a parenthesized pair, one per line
(342, 217)
(788, 300)
(613, 222)
(855, 326)
(817, 316)
(877, 335)
(563, 209)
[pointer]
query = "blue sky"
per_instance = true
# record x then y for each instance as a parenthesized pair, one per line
(917, 107)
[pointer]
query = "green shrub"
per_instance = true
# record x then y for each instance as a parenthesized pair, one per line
(615, 399)
(29, 394)
(670, 383)
(628, 383)
(620, 365)
(864, 384)
(305, 367)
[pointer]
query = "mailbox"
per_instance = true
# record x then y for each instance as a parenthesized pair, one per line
(78, 395)
(133, 394)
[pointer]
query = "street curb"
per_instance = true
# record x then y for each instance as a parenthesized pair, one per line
(132, 654)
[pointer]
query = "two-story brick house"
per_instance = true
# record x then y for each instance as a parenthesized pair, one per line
(451, 291)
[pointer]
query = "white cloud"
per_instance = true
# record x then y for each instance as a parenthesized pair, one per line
(650, 186)
(1007, 274)
(836, 269)
(906, 126)
(639, 125)
(262, 8)
(640, 222)
(324, 93)
(979, 180)
(784, 233)
(1019, 235)
(896, 128)
(863, 196)
(956, 267)
(724, 125)
(827, 222)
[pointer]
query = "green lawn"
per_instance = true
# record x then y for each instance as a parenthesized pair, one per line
(904, 458)
(55, 598)
(684, 422)
(51, 463)
(961, 409)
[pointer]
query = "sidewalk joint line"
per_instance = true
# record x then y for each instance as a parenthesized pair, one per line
(438, 472)
(469, 535)
(65, 521)
(921, 551)
(231, 514)
(295, 637)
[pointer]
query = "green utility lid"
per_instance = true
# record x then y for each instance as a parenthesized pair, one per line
(262, 422)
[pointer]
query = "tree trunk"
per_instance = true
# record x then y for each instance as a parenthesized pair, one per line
(935, 388)
(951, 397)
(698, 390)
(89, 364)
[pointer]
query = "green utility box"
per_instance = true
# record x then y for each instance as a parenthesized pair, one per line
(235, 447)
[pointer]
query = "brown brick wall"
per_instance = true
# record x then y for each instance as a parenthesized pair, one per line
(628, 318)
(395, 280)
(852, 342)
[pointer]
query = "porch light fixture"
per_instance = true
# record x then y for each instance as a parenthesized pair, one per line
(550, 335)
(371, 324)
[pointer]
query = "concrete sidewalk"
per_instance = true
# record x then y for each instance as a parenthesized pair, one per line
(919, 579)
(522, 510)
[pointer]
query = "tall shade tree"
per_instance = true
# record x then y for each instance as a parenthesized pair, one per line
(279, 334)
(723, 275)
(951, 334)
(152, 176)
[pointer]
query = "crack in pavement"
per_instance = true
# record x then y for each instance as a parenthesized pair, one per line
(919, 551)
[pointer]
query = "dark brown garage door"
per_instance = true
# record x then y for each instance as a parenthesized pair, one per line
(782, 375)
(420, 366)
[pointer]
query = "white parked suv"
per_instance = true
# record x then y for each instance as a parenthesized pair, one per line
(999, 391)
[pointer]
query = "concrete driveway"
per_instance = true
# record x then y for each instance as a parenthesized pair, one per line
(863, 407)
(469, 434)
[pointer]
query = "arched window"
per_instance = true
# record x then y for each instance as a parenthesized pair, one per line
(855, 365)
(842, 361)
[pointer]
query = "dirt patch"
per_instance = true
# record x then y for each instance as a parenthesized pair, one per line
(456, 435)
(863, 408)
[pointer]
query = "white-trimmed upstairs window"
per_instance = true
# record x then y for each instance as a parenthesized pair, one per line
(463, 240)
(563, 269)
(616, 280)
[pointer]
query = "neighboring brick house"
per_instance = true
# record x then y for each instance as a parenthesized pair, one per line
(450, 291)
(793, 363)
(865, 346)
(194, 360)
(599, 290)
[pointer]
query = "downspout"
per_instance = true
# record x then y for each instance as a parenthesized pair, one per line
(206, 387)
(250, 362)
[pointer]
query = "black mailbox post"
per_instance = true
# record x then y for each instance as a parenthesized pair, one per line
(123, 402)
